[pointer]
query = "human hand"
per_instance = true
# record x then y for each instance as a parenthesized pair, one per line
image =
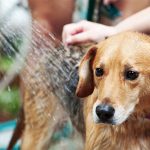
(85, 31)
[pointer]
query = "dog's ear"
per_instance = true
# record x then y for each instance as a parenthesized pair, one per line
(86, 84)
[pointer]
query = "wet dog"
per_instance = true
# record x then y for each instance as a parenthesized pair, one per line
(42, 111)
(116, 75)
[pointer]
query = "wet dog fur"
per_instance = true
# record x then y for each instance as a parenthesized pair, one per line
(39, 137)
(115, 75)
(43, 111)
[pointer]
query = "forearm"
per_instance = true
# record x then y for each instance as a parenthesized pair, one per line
(138, 22)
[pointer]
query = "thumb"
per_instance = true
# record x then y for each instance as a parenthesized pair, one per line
(78, 38)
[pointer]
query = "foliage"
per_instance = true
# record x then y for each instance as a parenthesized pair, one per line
(9, 101)
(9, 98)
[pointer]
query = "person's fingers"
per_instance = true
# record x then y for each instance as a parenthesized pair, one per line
(66, 30)
(78, 38)
(84, 31)
(70, 30)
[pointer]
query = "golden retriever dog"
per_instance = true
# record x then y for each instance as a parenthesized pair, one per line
(115, 75)
(40, 116)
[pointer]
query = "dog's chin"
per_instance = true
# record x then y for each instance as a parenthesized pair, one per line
(109, 122)
(112, 121)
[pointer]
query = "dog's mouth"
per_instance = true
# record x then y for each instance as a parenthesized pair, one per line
(111, 122)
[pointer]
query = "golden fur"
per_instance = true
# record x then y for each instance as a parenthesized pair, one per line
(53, 15)
(40, 104)
(131, 130)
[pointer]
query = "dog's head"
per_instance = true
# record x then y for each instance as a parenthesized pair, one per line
(117, 73)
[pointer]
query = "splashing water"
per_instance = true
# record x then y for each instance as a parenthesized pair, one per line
(13, 43)
(46, 67)
(55, 68)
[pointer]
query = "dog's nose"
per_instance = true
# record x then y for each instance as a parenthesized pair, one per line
(105, 112)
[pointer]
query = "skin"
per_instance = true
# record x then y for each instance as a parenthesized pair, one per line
(52, 14)
(85, 31)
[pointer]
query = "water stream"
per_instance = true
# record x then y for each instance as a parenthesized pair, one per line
(44, 63)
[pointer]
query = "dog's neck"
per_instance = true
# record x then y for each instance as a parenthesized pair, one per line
(131, 134)
(134, 131)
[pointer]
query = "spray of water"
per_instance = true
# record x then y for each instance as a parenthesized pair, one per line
(44, 62)
(55, 68)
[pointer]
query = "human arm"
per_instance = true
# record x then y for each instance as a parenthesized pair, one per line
(138, 22)
(85, 31)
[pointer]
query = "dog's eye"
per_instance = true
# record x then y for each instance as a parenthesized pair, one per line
(131, 75)
(99, 72)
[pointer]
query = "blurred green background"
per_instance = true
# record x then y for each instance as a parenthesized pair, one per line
(9, 97)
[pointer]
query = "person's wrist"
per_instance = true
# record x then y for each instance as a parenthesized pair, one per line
(113, 30)
(119, 28)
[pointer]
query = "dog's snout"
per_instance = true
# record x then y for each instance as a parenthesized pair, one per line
(105, 112)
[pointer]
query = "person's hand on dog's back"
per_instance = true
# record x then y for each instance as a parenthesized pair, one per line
(85, 31)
